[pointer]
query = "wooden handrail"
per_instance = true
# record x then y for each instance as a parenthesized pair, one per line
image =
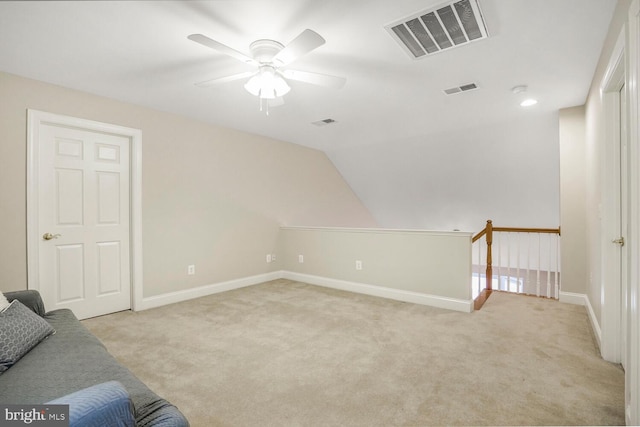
(516, 230)
(479, 235)
(528, 230)
(488, 232)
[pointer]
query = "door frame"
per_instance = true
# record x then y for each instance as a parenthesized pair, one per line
(632, 372)
(611, 295)
(34, 119)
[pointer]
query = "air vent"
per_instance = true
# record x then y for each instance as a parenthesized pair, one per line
(444, 27)
(459, 89)
(323, 122)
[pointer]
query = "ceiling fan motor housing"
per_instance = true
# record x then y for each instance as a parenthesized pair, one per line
(264, 50)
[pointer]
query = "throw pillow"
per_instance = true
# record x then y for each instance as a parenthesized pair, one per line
(106, 404)
(3, 301)
(20, 330)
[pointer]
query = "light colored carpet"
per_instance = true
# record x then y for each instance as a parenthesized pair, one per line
(285, 353)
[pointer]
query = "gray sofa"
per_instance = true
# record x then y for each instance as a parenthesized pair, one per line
(73, 359)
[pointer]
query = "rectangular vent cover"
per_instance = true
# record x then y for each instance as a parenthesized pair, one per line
(459, 89)
(323, 122)
(444, 27)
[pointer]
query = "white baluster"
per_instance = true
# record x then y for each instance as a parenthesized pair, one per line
(508, 235)
(499, 264)
(479, 264)
(518, 289)
(557, 287)
(549, 269)
(538, 269)
(528, 275)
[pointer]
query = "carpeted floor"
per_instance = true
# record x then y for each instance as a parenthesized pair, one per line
(285, 353)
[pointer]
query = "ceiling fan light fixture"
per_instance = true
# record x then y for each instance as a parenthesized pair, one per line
(267, 84)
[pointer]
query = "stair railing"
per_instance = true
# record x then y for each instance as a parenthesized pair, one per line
(530, 265)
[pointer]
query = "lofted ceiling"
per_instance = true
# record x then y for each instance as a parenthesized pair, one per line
(138, 51)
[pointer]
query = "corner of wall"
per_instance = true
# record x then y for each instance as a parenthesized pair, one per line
(583, 299)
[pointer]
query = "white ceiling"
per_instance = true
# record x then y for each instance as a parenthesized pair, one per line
(138, 51)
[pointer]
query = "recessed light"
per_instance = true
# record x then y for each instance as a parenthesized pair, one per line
(528, 102)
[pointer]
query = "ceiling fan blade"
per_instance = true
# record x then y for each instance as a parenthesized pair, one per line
(315, 78)
(220, 80)
(305, 42)
(215, 45)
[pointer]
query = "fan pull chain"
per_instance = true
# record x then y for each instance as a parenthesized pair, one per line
(264, 105)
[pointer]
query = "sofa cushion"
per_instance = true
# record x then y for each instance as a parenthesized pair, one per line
(106, 404)
(20, 330)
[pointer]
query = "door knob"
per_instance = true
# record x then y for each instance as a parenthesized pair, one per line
(619, 241)
(49, 236)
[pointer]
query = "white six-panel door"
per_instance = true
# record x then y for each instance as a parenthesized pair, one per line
(83, 220)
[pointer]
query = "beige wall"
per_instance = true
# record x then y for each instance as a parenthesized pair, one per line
(432, 263)
(573, 215)
(211, 196)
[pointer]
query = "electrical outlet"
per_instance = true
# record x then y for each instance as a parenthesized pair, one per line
(268, 257)
(358, 265)
(273, 257)
(300, 259)
(191, 270)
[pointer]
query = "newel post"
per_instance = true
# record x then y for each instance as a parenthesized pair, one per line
(489, 238)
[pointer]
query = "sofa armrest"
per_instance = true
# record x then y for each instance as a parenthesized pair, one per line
(167, 416)
(30, 298)
(106, 404)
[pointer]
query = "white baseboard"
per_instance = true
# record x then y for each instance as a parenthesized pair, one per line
(573, 298)
(582, 299)
(201, 291)
(465, 306)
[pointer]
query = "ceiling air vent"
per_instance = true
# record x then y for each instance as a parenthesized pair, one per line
(323, 122)
(459, 89)
(444, 27)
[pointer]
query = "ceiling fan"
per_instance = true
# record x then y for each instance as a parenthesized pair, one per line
(269, 81)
